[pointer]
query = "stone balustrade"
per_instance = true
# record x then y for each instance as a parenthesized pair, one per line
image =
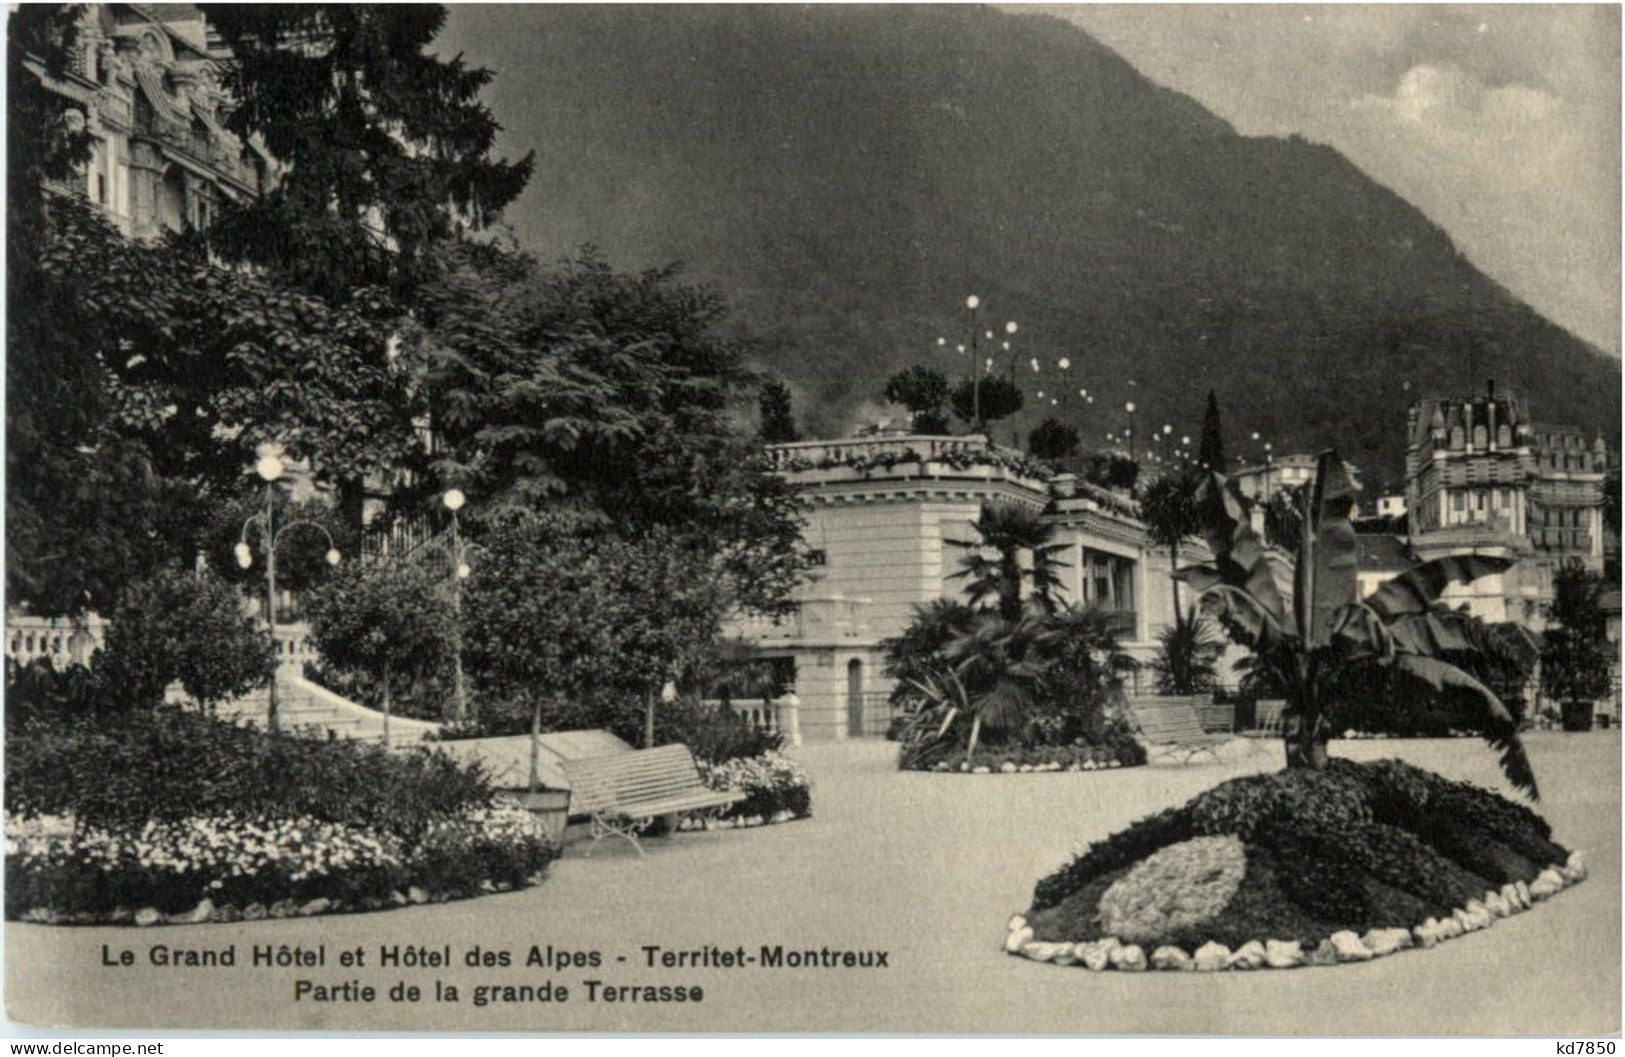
(820, 453)
(60, 640)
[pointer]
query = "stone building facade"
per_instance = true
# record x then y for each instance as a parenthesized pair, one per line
(884, 515)
(1482, 476)
(148, 80)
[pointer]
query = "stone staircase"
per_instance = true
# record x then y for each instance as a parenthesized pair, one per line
(305, 708)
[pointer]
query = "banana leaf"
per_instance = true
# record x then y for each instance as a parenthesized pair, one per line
(1416, 589)
(1327, 557)
(1500, 728)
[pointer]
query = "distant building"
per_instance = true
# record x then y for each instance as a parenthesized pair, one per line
(148, 79)
(1390, 506)
(885, 513)
(1482, 477)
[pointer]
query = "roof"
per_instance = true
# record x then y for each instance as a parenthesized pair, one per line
(1382, 551)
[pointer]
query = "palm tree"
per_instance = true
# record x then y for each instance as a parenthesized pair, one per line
(1010, 529)
(917, 653)
(994, 674)
(1187, 656)
(1328, 637)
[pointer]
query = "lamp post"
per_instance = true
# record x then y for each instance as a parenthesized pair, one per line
(1269, 459)
(269, 466)
(1129, 407)
(971, 304)
(454, 500)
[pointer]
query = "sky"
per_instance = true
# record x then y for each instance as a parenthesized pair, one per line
(1500, 122)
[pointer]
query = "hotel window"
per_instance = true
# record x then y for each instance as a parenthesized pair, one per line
(1481, 437)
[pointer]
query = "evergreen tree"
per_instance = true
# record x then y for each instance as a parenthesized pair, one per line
(1212, 450)
(1052, 440)
(778, 424)
(923, 391)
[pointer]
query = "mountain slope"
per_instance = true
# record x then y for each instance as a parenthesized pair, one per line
(846, 175)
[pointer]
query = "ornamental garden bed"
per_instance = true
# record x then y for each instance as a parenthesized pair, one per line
(1299, 867)
(777, 790)
(174, 817)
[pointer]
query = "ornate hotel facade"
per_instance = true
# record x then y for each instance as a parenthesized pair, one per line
(147, 78)
(1483, 477)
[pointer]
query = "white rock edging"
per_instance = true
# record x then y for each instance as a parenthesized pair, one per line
(1344, 946)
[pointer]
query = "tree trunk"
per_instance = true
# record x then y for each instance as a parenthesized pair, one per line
(1305, 742)
(649, 721)
(1173, 566)
(536, 746)
(386, 704)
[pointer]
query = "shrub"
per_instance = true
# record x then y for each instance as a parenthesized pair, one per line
(715, 734)
(1244, 806)
(167, 765)
(1120, 850)
(386, 626)
(186, 627)
(772, 783)
(40, 689)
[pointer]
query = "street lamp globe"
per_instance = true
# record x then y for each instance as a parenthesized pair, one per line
(1064, 363)
(1184, 440)
(454, 499)
(972, 302)
(942, 341)
(245, 557)
(988, 334)
(333, 556)
(668, 693)
(1129, 407)
(269, 466)
(1255, 434)
(1167, 429)
(1010, 327)
(463, 571)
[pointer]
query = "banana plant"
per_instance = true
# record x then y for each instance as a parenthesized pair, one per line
(1311, 635)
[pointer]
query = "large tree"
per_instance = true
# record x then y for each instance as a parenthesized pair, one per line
(1212, 449)
(923, 391)
(386, 147)
(612, 397)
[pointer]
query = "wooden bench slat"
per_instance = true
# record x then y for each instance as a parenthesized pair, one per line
(641, 784)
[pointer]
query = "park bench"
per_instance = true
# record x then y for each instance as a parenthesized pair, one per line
(1172, 726)
(625, 792)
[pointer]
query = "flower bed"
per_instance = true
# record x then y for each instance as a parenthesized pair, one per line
(175, 816)
(228, 868)
(777, 790)
(1296, 868)
(1011, 759)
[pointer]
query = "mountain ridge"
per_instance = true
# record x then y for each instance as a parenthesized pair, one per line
(845, 176)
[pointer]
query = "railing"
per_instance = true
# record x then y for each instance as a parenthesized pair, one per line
(843, 452)
(294, 647)
(62, 642)
(403, 538)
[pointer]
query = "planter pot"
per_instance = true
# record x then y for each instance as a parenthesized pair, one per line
(550, 808)
(1577, 715)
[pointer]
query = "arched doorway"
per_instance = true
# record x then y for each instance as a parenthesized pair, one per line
(854, 698)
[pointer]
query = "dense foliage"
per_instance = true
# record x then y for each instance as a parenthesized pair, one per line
(185, 627)
(1309, 652)
(1352, 847)
(777, 421)
(566, 627)
(1576, 662)
(607, 396)
(1053, 440)
(389, 623)
(387, 146)
(924, 392)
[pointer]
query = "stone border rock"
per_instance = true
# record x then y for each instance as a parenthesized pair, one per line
(1009, 767)
(207, 912)
(1345, 946)
(742, 822)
